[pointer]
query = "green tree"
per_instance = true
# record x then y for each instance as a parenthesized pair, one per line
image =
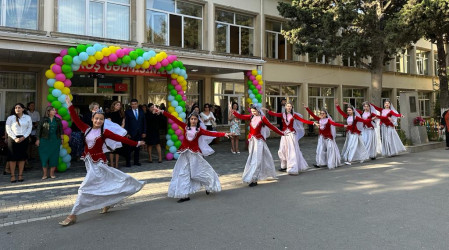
(430, 18)
(356, 29)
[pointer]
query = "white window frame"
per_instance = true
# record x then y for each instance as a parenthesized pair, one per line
(168, 13)
(3, 19)
(228, 31)
(358, 100)
(323, 98)
(277, 42)
(422, 98)
(422, 62)
(403, 63)
(239, 96)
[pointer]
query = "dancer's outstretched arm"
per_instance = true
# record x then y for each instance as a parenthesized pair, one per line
(377, 108)
(241, 117)
(341, 111)
(299, 118)
(312, 114)
(110, 135)
(395, 114)
(75, 118)
(268, 123)
(213, 134)
(274, 114)
(171, 117)
(336, 124)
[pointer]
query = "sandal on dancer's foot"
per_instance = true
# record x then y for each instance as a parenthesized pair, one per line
(105, 210)
(183, 200)
(13, 179)
(67, 222)
(20, 178)
(44, 177)
(253, 184)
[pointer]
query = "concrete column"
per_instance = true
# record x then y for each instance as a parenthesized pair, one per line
(339, 95)
(139, 89)
(430, 61)
(392, 65)
(304, 98)
(393, 98)
(412, 53)
(49, 16)
(140, 22)
(208, 90)
(209, 20)
(259, 41)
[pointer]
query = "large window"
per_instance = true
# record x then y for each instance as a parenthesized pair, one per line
(424, 103)
(322, 98)
(18, 87)
(422, 62)
(193, 91)
(226, 92)
(234, 33)
(19, 14)
(349, 62)
(277, 46)
(354, 96)
(315, 58)
(435, 64)
(403, 63)
(386, 95)
(274, 93)
(100, 18)
(175, 23)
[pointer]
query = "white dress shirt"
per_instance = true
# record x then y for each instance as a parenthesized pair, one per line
(35, 117)
(13, 129)
(205, 118)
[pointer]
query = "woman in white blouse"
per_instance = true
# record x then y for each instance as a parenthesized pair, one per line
(208, 117)
(18, 128)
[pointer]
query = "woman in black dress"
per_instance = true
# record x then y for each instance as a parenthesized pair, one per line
(153, 138)
(117, 115)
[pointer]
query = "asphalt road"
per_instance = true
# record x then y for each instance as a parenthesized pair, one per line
(391, 203)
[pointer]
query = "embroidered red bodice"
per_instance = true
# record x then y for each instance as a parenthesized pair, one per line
(289, 124)
(187, 144)
(352, 128)
(256, 131)
(96, 151)
(326, 132)
(385, 119)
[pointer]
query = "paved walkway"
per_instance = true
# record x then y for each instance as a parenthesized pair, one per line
(37, 199)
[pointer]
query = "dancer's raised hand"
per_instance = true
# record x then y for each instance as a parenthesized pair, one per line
(157, 111)
(68, 101)
(265, 109)
(140, 143)
(305, 106)
(336, 101)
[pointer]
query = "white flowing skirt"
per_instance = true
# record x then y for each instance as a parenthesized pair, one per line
(327, 153)
(191, 172)
(391, 143)
(111, 145)
(103, 186)
(370, 140)
(354, 148)
(260, 164)
(290, 154)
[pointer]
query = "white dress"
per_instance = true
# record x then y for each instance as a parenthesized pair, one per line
(289, 153)
(354, 148)
(103, 186)
(327, 153)
(369, 137)
(192, 171)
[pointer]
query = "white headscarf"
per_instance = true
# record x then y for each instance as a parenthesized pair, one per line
(204, 140)
(265, 131)
(358, 124)
(394, 118)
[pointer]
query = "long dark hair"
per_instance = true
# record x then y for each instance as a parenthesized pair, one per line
(232, 106)
(88, 131)
(188, 120)
(13, 111)
(292, 111)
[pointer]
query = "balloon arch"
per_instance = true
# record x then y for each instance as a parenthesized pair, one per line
(71, 59)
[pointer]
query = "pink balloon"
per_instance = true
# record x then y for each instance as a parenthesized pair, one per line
(56, 69)
(178, 132)
(181, 137)
(113, 57)
(170, 121)
(67, 83)
(181, 92)
(58, 60)
(105, 60)
(171, 58)
(68, 131)
(126, 50)
(174, 126)
(252, 78)
(248, 73)
(60, 77)
(65, 124)
(164, 62)
(255, 82)
(57, 115)
(63, 52)
(120, 53)
(158, 65)
(178, 87)
(184, 98)
(169, 156)
(174, 82)
(258, 87)
(260, 91)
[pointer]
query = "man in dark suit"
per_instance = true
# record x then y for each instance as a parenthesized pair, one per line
(445, 125)
(281, 109)
(135, 125)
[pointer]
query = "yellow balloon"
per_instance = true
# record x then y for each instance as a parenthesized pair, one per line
(180, 79)
(91, 60)
(106, 51)
(58, 85)
(65, 91)
(179, 118)
(50, 74)
(153, 61)
(113, 49)
(138, 66)
(261, 82)
(69, 150)
(66, 139)
(171, 110)
(248, 100)
(65, 145)
(84, 63)
(71, 97)
(146, 65)
(98, 55)
(184, 88)
(254, 72)
(51, 65)
(164, 55)
(174, 76)
(258, 77)
(159, 57)
(175, 114)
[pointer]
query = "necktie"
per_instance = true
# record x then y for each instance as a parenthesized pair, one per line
(136, 114)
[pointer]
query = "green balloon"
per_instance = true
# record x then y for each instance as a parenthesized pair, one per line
(126, 59)
(81, 48)
(62, 167)
(56, 104)
(180, 64)
(175, 64)
(255, 91)
(67, 59)
(182, 104)
(174, 137)
(169, 67)
(118, 62)
(161, 69)
(51, 98)
(170, 131)
(140, 52)
(110, 63)
(60, 160)
(133, 55)
(70, 123)
(66, 68)
(66, 117)
(173, 92)
(50, 90)
(178, 144)
(69, 75)
(178, 98)
(72, 52)
(258, 96)
(62, 111)
(183, 108)
(250, 83)
(170, 87)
